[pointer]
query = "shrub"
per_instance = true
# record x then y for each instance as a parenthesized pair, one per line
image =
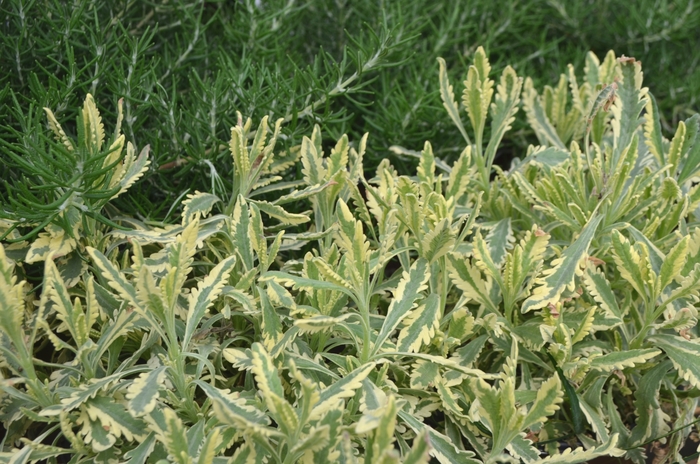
(468, 313)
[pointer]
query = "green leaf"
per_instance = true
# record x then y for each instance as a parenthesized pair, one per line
(408, 291)
(652, 131)
(651, 419)
(271, 326)
(549, 396)
(459, 175)
(270, 386)
(438, 241)
(312, 161)
(537, 117)
(500, 239)
(563, 270)
(628, 262)
(420, 452)
(115, 419)
(174, 437)
(476, 97)
(522, 448)
(426, 166)
(240, 224)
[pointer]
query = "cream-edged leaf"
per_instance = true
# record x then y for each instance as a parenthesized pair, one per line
(420, 325)
(563, 271)
(549, 396)
(408, 291)
(204, 295)
(144, 391)
(623, 359)
(198, 204)
(684, 355)
(448, 100)
(341, 389)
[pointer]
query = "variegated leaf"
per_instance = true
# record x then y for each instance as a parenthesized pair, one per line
(563, 270)
(144, 391)
(198, 204)
(408, 291)
(684, 355)
(448, 100)
(623, 359)
(420, 325)
(341, 389)
(442, 447)
(204, 295)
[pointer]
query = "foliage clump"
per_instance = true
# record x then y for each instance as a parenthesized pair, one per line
(468, 312)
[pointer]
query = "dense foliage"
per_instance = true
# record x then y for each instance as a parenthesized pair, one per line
(468, 313)
(185, 67)
(205, 257)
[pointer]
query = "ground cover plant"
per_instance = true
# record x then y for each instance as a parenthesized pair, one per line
(185, 67)
(314, 312)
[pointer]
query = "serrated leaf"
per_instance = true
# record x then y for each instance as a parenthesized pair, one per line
(409, 289)
(468, 279)
(48, 245)
(114, 418)
(204, 295)
(319, 323)
(503, 109)
(537, 117)
(231, 409)
(628, 262)
(420, 452)
(563, 271)
(578, 455)
(522, 448)
(174, 437)
(58, 130)
(442, 447)
(549, 396)
(280, 213)
(240, 224)
(623, 359)
(673, 263)
(198, 204)
(653, 137)
(144, 391)
(426, 166)
(651, 419)
(312, 162)
(684, 355)
(438, 241)
(448, 100)
(458, 181)
(421, 324)
(599, 288)
(343, 388)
